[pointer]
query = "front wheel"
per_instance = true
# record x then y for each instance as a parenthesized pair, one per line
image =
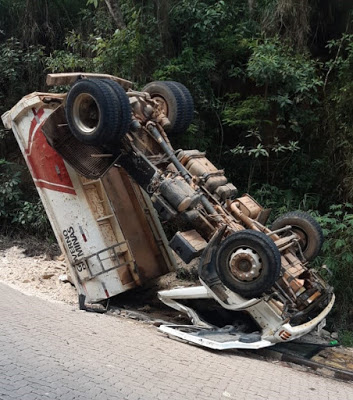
(306, 228)
(248, 263)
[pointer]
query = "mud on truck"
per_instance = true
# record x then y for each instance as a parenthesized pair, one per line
(256, 285)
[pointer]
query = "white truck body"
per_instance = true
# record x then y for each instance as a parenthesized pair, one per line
(273, 328)
(101, 259)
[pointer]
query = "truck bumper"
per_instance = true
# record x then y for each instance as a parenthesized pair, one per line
(287, 332)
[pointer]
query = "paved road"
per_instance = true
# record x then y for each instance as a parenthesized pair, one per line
(53, 351)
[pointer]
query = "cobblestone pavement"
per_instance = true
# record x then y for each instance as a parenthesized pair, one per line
(54, 351)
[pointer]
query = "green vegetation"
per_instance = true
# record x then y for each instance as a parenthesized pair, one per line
(272, 83)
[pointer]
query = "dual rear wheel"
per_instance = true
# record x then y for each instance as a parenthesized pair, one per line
(98, 111)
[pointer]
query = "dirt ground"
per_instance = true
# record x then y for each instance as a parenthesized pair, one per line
(34, 267)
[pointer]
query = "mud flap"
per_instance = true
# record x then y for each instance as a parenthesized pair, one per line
(95, 307)
(207, 267)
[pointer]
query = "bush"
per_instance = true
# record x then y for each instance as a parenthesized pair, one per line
(17, 212)
(337, 255)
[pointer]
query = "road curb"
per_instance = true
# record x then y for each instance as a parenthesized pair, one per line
(324, 370)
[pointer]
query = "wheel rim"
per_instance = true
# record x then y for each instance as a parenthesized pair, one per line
(86, 114)
(245, 264)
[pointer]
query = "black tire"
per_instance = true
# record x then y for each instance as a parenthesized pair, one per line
(177, 101)
(188, 111)
(125, 107)
(93, 112)
(255, 268)
(308, 230)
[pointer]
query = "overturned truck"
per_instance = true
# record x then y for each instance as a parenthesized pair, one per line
(107, 174)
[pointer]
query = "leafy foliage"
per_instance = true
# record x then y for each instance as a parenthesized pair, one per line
(18, 66)
(338, 127)
(281, 201)
(337, 255)
(14, 210)
(9, 188)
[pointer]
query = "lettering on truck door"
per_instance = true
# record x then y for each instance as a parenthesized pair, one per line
(76, 252)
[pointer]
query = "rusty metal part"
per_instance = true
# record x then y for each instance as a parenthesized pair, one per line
(162, 104)
(241, 216)
(241, 213)
(179, 194)
(69, 78)
(225, 192)
(199, 221)
(198, 165)
(145, 109)
(195, 239)
(285, 294)
(228, 219)
(245, 264)
(285, 228)
(263, 216)
(248, 206)
(286, 241)
(184, 173)
(160, 140)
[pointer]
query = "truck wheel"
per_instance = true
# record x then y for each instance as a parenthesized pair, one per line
(309, 231)
(94, 112)
(176, 102)
(125, 108)
(248, 263)
(188, 112)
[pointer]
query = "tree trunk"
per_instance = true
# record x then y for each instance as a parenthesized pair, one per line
(115, 11)
(162, 8)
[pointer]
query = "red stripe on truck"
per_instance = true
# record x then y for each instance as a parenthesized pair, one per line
(47, 166)
(51, 186)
